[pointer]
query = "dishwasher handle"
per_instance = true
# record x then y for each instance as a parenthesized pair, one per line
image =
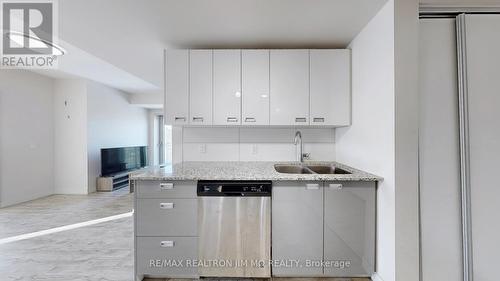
(234, 188)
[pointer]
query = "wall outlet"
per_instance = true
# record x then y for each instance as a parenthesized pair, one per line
(203, 148)
(254, 149)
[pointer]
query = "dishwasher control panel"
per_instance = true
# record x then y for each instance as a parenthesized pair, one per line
(235, 188)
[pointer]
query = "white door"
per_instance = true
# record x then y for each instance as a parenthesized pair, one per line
(227, 87)
(177, 87)
(330, 87)
(439, 152)
(483, 77)
(200, 87)
(289, 87)
(255, 87)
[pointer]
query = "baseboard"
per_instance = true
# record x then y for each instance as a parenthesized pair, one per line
(376, 277)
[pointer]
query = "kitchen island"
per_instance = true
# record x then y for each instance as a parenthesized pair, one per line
(322, 213)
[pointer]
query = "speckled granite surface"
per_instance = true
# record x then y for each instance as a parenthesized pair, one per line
(246, 171)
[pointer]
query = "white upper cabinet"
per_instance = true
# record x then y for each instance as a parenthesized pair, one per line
(330, 88)
(227, 87)
(258, 87)
(200, 87)
(255, 87)
(289, 87)
(177, 87)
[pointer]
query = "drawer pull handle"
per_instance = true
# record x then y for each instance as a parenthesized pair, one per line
(166, 205)
(232, 119)
(312, 186)
(166, 186)
(183, 119)
(250, 120)
(167, 244)
(319, 120)
(335, 186)
(300, 120)
(197, 119)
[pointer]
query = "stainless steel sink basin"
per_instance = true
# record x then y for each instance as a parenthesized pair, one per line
(308, 169)
(292, 169)
(326, 169)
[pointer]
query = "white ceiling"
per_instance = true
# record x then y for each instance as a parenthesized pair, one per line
(131, 34)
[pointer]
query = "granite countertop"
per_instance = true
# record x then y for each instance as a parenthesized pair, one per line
(245, 171)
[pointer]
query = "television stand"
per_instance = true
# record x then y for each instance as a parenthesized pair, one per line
(113, 182)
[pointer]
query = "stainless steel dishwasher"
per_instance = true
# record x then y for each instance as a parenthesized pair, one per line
(234, 224)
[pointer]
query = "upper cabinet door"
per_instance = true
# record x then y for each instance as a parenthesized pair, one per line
(227, 87)
(289, 87)
(255, 87)
(177, 87)
(200, 87)
(330, 87)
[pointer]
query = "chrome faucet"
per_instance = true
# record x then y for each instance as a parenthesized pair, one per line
(298, 141)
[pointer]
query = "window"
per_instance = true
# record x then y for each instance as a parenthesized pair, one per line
(162, 139)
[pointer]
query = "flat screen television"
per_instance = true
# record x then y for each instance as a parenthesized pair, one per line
(122, 159)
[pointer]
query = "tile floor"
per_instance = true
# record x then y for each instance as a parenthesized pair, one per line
(96, 252)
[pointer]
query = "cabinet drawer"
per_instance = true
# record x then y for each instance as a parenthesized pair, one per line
(166, 189)
(161, 256)
(166, 217)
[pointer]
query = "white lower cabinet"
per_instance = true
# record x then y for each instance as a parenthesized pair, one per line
(166, 229)
(159, 257)
(323, 229)
(297, 228)
(349, 229)
(167, 217)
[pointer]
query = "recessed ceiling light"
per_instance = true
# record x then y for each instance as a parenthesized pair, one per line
(18, 37)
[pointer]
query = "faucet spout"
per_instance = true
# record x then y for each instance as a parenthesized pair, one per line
(298, 142)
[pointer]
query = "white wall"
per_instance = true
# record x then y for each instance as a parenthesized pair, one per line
(369, 144)
(26, 136)
(70, 136)
(406, 139)
(112, 122)
(250, 144)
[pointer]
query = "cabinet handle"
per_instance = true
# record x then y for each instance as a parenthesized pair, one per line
(232, 119)
(197, 119)
(183, 119)
(320, 120)
(166, 205)
(335, 186)
(167, 244)
(300, 120)
(312, 186)
(250, 119)
(166, 186)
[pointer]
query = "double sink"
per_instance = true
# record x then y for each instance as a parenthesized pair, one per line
(309, 169)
